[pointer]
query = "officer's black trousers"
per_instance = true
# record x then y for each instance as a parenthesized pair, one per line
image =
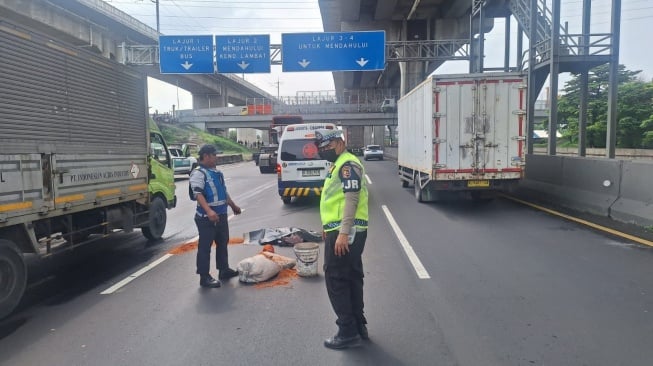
(344, 282)
(208, 233)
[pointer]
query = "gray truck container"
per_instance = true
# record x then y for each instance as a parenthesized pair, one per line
(74, 140)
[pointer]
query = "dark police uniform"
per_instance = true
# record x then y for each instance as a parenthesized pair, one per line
(344, 209)
(210, 182)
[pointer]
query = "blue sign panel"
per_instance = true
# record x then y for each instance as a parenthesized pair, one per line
(186, 54)
(333, 51)
(243, 54)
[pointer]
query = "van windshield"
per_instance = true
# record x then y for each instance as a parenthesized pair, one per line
(299, 150)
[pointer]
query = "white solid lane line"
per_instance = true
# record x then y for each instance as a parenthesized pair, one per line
(410, 253)
(134, 275)
(143, 270)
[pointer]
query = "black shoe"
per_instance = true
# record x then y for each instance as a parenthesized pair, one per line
(208, 281)
(227, 274)
(362, 331)
(340, 342)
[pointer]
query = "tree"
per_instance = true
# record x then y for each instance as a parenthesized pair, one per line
(647, 136)
(634, 106)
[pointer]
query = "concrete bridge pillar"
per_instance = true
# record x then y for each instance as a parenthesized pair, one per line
(412, 74)
(201, 101)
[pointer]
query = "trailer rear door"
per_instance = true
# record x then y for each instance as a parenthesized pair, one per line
(479, 126)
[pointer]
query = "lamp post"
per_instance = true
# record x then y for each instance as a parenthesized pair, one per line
(157, 16)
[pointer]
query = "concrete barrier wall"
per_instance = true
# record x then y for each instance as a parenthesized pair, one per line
(591, 185)
(576, 183)
(635, 202)
(228, 159)
(610, 188)
(545, 169)
(621, 190)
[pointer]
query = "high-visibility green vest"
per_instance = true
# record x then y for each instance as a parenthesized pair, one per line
(332, 198)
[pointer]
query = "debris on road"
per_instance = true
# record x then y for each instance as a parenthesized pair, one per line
(281, 236)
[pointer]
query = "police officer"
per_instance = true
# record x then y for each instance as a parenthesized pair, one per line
(343, 211)
(208, 186)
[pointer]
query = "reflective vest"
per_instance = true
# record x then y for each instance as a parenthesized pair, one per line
(332, 198)
(215, 192)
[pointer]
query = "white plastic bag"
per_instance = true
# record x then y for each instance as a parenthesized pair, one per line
(257, 269)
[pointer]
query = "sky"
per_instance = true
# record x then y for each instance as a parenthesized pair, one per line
(274, 17)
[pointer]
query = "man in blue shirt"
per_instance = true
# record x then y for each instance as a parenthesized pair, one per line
(210, 191)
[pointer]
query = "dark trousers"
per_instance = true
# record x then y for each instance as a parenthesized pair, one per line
(344, 282)
(208, 233)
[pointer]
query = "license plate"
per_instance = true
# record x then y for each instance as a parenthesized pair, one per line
(311, 173)
(478, 183)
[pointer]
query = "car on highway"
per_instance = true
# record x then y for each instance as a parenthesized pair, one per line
(373, 152)
(182, 164)
(264, 150)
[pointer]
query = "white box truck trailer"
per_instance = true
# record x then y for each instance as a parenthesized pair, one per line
(462, 133)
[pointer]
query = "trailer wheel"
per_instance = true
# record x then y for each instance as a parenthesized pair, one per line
(13, 277)
(286, 200)
(418, 190)
(157, 220)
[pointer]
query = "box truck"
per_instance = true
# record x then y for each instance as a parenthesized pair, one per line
(462, 133)
(79, 156)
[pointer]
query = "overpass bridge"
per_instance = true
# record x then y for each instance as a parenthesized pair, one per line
(343, 114)
(97, 26)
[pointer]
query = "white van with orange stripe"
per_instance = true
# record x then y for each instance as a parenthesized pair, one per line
(300, 170)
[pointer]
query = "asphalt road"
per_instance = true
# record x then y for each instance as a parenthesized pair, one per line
(502, 284)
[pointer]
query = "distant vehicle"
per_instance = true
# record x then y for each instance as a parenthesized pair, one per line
(389, 105)
(355, 139)
(267, 162)
(373, 152)
(180, 163)
(231, 111)
(263, 150)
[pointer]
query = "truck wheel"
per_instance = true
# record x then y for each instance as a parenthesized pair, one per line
(418, 191)
(286, 200)
(404, 183)
(13, 277)
(157, 223)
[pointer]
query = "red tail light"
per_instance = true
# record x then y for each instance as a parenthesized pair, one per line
(279, 170)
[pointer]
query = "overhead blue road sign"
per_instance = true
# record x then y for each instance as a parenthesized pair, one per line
(186, 54)
(333, 51)
(243, 54)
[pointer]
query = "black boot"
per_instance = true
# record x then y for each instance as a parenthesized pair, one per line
(340, 342)
(208, 281)
(362, 331)
(226, 274)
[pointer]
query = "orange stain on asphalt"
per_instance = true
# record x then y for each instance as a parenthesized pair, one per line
(192, 246)
(282, 279)
(184, 248)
